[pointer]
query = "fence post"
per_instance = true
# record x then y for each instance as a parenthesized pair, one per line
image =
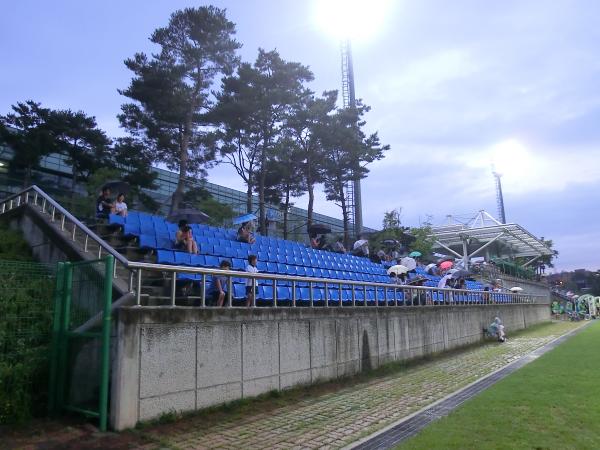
(105, 355)
(56, 327)
(65, 318)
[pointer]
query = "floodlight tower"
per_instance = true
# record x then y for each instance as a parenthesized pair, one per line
(499, 196)
(353, 196)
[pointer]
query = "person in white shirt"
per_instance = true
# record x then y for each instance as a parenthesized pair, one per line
(120, 205)
(250, 268)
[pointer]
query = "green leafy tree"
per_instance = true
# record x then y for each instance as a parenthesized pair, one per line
(27, 132)
(85, 145)
(201, 199)
(423, 241)
(285, 179)
(171, 89)
(392, 219)
(347, 152)
(252, 110)
(303, 126)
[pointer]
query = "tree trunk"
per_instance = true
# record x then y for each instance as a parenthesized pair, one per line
(311, 202)
(27, 180)
(345, 218)
(262, 216)
(249, 195)
(286, 210)
(177, 196)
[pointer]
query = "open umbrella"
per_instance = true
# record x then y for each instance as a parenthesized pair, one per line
(418, 279)
(359, 243)
(398, 269)
(319, 228)
(460, 274)
(414, 254)
(116, 186)
(408, 262)
(445, 265)
(190, 215)
(430, 268)
(243, 219)
(390, 242)
(516, 289)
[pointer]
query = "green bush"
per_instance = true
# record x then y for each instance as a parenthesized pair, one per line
(26, 293)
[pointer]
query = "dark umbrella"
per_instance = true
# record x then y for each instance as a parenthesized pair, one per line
(116, 186)
(319, 228)
(460, 274)
(190, 215)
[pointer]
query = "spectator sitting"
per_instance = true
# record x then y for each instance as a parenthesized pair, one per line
(121, 206)
(184, 239)
(361, 248)
(244, 234)
(314, 241)
(338, 247)
(104, 204)
(251, 293)
(218, 287)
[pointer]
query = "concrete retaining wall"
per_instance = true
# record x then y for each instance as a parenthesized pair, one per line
(187, 358)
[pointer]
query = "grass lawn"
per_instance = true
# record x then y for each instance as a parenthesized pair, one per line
(552, 403)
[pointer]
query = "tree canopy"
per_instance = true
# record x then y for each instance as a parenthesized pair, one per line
(171, 89)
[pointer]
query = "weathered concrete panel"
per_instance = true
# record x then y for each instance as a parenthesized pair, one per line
(260, 350)
(323, 349)
(168, 359)
(368, 343)
(186, 358)
(294, 346)
(215, 395)
(219, 354)
(348, 355)
(153, 407)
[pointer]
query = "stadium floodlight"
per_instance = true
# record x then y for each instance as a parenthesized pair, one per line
(357, 20)
(348, 20)
(508, 157)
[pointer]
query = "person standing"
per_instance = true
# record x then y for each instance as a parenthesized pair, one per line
(250, 286)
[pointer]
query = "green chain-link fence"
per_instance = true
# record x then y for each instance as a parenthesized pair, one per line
(81, 338)
(26, 307)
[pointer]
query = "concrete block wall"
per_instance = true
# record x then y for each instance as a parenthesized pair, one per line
(185, 359)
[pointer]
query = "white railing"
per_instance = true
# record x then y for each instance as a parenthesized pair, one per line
(323, 292)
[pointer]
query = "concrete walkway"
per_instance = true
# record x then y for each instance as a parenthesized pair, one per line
(331, 419)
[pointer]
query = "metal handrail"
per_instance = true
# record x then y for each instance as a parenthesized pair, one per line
(139, 267)
(72, 219)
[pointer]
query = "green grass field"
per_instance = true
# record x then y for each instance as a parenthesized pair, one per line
(552, 403)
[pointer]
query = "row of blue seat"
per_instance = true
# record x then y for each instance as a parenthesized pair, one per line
(285, 293)
(211, 261)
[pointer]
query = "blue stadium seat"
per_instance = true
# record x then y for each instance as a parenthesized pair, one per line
(271, 267)
(197, 260)
(114, 219)
(239, 291)
(164, 242)
(165, 257)
(147, 241)
(261, 266)
(183, 258)
(238, 264)
(131, 229)
(284, 293)
(212, 261)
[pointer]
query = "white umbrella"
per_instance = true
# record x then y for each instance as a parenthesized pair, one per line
(516, 289)
(397, 269)
(360, 243)
(408, 262)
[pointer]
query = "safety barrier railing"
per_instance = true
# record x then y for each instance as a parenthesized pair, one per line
(321, 291)
(35, 196)
(330, 291)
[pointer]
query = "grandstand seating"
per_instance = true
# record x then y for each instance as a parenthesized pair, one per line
(155, 235)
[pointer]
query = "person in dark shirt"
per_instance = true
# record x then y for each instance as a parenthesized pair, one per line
(218, 287)
(104, 204)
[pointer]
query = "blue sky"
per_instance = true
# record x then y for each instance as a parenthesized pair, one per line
(448, 82)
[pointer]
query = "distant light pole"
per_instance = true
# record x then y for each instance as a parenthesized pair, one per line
(499, 196)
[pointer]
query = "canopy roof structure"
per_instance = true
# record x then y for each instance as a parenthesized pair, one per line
(467, 239)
